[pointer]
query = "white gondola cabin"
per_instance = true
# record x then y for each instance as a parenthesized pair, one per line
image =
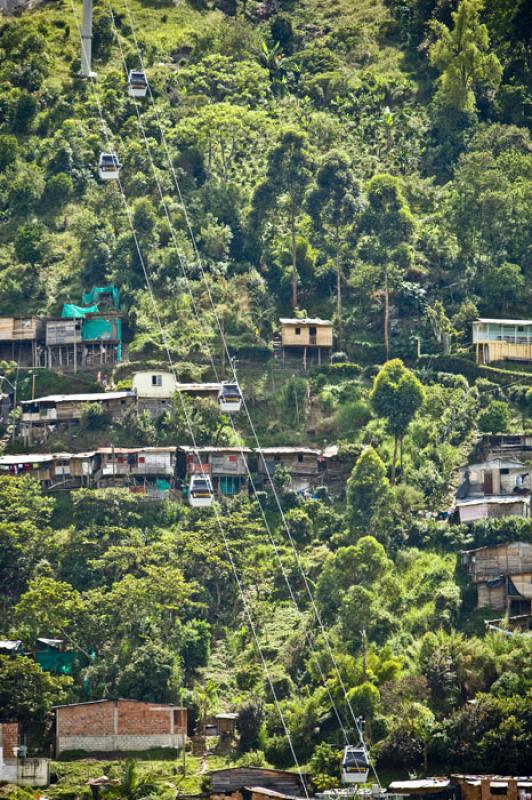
(230, 398)
(109, 167)
(200, 491)
(137, 84)
(355, 764)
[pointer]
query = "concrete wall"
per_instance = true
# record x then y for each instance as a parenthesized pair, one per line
(143, 384)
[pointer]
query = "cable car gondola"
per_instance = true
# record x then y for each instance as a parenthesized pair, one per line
(200, 491)
(230, 398)
(137, 83)
(109, 167)
(355, 764)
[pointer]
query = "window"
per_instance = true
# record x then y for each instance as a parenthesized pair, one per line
(505, 471)
(298, 331)
(300, 457)
(156, 380)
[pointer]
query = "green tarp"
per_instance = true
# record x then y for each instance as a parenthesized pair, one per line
(94, 295)
(101, 329)
(70, 311)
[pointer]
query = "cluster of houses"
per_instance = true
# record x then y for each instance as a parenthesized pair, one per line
(84, 336)
(162, 472)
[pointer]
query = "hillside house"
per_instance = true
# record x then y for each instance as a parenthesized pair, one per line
(492, 787)
(502, 575)
(227, 467)
(223, 724)
(476, 508)
(143, 470)
(83, 339)
(496, 477)
(45, 414)
(502, 340)
(20, 340)
(311, 337)
(305, 465)
(11, 647)
(14, 766)
(154, 389)
(241, 782)
(207, 391)
(52, 655)
(107, 726)
(37, 465)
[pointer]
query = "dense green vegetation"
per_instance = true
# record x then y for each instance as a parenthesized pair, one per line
(368, 162)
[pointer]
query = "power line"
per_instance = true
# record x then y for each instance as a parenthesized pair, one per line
(189, 425)
(196, 312)
(224, 344)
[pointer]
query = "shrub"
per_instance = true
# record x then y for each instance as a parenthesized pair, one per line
(495, 418)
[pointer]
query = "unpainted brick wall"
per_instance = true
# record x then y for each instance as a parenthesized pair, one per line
(9, 738)
(96, 719)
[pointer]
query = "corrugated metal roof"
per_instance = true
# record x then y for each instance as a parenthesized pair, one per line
(75, 398)
(490, 321)
(27, 458)
(305, 321)
(206, 449)
(496, 463)
(287, 450)
(198, 387)
(493, 500)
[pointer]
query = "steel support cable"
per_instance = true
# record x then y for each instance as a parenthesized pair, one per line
(191, 432)
(223, 339)
(213, 365)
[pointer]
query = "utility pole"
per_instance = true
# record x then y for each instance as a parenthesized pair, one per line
(86, 40)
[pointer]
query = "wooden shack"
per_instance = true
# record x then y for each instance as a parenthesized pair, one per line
(305, 464)
(227, 466)
(233, 781)
(492, 787)
(502, 340)
(20, 338)
(502, 575)
(36, 465)
(46, 413)
(475, 508)
(91, 340)
(208, 391)
(311, 337)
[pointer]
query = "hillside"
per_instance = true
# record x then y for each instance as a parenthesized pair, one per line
(366, 163)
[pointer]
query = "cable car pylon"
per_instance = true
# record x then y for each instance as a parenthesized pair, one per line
(86, 40)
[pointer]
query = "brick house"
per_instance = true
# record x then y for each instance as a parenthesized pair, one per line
(106, 726)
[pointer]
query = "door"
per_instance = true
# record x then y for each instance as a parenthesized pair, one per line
(488, 483)
(313, 335)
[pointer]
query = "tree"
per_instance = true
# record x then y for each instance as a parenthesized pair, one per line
(396, 395)
(462, 57)
(8, 151)
(58, 189)
(367, 488)
(325, 766)
(283, 188)
(27, 694)
(333, 203)
(151, 675)
(495, 418)
(30, 242)
(249, 725)
(389, 228)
